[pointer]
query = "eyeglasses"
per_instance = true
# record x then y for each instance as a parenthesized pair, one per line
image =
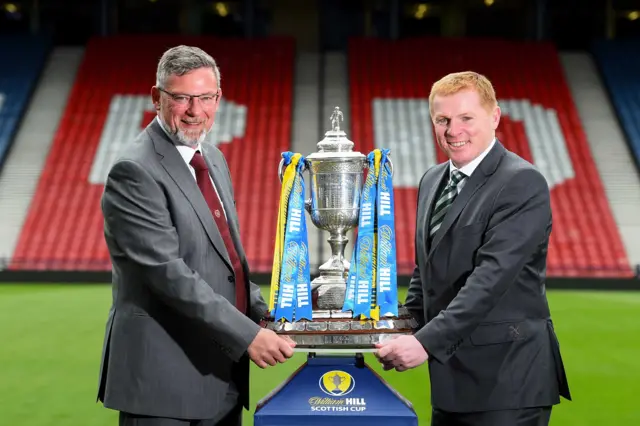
(182, 99)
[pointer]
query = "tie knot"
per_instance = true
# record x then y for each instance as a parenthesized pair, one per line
(456, 177)
(198, 163)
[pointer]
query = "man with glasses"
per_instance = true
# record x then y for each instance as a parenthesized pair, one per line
(183, 323)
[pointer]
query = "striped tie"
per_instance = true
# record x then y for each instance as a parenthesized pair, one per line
(444, 202)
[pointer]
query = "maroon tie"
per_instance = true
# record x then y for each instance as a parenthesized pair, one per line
(212, 199)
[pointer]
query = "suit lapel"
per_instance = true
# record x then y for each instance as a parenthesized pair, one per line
(477, 179)
(179, 172)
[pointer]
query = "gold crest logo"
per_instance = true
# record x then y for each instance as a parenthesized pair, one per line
(337, 383)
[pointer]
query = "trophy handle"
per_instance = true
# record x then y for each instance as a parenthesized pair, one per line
(390, 164)
(281, 169)
(366, 165)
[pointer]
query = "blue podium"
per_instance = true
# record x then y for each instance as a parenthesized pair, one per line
(334, 390)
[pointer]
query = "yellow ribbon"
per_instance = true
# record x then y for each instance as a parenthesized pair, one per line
(287, 186)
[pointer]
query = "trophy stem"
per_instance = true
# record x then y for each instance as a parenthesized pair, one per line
(331, 284)
(337, 266)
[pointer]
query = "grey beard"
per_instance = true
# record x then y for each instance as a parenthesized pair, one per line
(179, 136)
(190, 142)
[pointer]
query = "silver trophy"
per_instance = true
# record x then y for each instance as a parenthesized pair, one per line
(337, 177)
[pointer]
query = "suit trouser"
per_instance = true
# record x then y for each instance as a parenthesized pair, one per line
(537, 416)
(234, 418)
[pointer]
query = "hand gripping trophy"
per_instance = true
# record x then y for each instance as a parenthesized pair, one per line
(350, 305)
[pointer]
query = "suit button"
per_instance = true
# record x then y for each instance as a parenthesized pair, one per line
(430, 292)
(230, 278)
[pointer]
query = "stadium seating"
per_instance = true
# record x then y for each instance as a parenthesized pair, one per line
(389, 88)
(623, 84)
(110, 103)
(26, 55)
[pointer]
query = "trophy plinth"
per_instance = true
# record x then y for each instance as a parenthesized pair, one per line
(335, 330)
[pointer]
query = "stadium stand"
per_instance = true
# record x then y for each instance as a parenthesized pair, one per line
(26, 55)
(110, 103)
(623, 84)
(389, 88)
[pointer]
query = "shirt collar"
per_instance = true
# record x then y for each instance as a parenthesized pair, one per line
(470, 168)
(187, 153)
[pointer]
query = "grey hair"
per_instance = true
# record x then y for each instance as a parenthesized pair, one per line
(180, 60)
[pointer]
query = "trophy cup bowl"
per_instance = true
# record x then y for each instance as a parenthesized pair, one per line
(336, 182)
(336, 175)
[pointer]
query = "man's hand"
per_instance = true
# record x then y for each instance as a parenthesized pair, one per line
(289, 340)
(401, 353)
(268, 348)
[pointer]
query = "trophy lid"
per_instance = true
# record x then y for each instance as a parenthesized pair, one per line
(335, 143)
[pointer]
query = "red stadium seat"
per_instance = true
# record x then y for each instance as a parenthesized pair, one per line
(540, 123)
(63, 230)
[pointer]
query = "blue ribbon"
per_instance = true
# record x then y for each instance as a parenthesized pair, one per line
(386, 264)
(360, 278)
(303, 287)
(374, 254)
(294, 295)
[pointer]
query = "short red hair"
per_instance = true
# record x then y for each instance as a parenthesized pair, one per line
(465, 80)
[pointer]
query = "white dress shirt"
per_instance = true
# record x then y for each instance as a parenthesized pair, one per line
(187, 153)
(469, 168)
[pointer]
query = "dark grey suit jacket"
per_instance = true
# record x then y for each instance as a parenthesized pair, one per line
(174, 340)
(478, 289)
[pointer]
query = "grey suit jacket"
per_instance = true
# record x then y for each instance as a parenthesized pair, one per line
(175, 345)
(478, 289)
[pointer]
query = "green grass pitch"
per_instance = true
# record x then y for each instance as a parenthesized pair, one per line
(51, 339)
